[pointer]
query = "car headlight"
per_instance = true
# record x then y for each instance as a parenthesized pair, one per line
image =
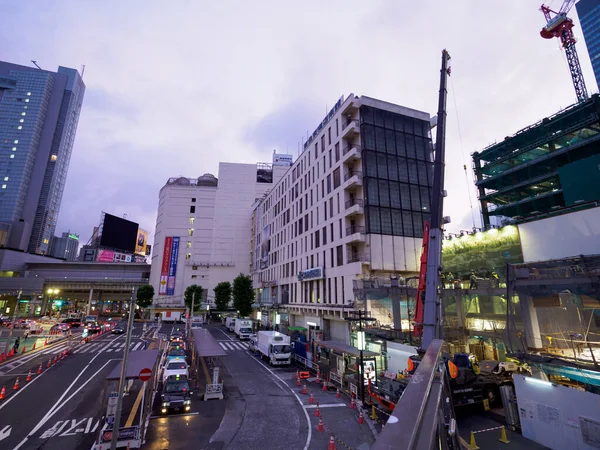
(187, 402)
(165, 404)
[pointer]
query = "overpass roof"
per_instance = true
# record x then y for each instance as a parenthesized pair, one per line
(205, 344)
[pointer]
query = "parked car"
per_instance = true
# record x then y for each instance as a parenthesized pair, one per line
(119, 328)
(176, 395)
(176, 353)
(93, 327)
(72, 322)
(60, 327)
(175, 368)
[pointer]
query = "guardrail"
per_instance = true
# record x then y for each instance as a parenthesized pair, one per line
(431, 423)
(356, 201)
(352, 173)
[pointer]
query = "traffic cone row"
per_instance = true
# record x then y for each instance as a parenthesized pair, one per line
(28, 376)
(304, 390)
(318, 411)
(16, 386)
(331, 445)
(321, 425)
(352, 404)
(49, 363)
(39, 369)
(338, 394)
(311, 399)
(324, 386)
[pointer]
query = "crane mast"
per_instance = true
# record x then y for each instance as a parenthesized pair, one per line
(561, 26)
(432, 316)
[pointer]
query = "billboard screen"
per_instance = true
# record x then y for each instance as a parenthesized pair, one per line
(482, 252)
(105, 255)
(142, 242)
(119, 234)
(265, 247)
(164, 271)
(173, 266)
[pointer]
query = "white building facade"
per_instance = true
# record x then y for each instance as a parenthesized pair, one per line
(203, 229)
(352, 206)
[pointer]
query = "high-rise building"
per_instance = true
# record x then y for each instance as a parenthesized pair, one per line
(548, 168)
(351, 207)
(65, 246)
(589, 17)
(203, 227)
(39, 112)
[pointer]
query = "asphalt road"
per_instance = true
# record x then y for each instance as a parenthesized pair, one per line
(61, 407)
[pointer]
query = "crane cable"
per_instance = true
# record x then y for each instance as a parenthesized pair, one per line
(462, 152)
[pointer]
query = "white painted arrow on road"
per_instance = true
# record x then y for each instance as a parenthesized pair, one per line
(5, 432)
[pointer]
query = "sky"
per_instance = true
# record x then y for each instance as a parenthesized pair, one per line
(175, 87)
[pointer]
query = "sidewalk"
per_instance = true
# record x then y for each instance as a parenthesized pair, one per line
(337, 416)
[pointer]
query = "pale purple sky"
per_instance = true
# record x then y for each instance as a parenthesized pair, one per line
(175, 87)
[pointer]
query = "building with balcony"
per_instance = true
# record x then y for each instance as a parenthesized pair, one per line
(352, 206)
(546, 169)
(203, 228)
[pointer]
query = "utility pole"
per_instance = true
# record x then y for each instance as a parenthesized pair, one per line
(14, 321)
(189, 321)
(117, 423)
(432, 317)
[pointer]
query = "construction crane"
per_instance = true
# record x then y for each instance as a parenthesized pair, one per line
(561, 26)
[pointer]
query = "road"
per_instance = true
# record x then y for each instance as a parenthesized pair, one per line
(61, 407)
(262, 409)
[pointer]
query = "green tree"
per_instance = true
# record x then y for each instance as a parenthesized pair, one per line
(222, 295)
(144, 295)
(243, 294)
(189, 294)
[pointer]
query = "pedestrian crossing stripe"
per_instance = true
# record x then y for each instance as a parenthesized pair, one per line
(94, 347)
(233, 345)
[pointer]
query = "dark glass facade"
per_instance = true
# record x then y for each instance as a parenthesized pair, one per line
(589, 17)
(397, 172)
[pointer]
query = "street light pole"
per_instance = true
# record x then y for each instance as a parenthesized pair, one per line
(189, 321)
(117, 423)
(362, 366)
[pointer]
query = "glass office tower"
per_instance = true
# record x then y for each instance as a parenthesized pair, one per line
(589, 17)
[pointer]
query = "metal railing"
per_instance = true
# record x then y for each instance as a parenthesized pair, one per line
(350, 147)
(355, 201)
(431, 423)
(352, 173)
(355, 229)
(358, 258)
(350, 122)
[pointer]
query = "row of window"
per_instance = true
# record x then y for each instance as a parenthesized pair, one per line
(390, 167)
(393, 121)
(396, 143)
(395, 222)
(391, 194)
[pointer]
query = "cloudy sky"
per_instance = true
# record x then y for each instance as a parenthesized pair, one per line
(174, 87)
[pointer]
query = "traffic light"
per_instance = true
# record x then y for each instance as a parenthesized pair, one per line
(58, 303)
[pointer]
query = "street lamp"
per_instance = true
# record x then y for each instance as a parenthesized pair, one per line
(50, 292)
(361, 345)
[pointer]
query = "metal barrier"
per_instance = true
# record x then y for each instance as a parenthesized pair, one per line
(306, 363)
(214, 391)
(335, 379)
(431, 423)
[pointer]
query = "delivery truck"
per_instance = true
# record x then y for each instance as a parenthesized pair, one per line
(230, 323)
(171, 317)
(274, 346)
(243, 328)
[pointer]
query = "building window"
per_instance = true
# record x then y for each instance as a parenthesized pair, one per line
(192, 209)
(5, 178)
(193, 200)
(194, 267)
(14, 149)
(29, 93)
(340, 255)
(191, 232)
(192, 221)
(194, 276)
(189, 244)
(337, 151)
(19, 127)
(21, 120)
(12, 156)
(23, 113)
(53, 158)
(3, 186)
(45, 241)
(336, 178)
(188, 256)
(16, 141)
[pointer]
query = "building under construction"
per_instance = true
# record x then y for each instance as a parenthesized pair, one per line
(548, 168)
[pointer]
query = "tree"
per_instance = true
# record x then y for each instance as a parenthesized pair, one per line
(243, 294)
(144, 295)
(189, 294)
(222, 295)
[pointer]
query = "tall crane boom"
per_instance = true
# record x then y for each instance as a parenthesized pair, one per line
(432, 317)
(561, 26)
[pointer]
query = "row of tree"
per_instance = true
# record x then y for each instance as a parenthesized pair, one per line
(241, 292)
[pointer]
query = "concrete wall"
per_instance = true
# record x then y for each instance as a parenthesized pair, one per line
(573, 234)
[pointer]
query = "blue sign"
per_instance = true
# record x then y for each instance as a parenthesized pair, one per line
(316, 273)
(173, 266)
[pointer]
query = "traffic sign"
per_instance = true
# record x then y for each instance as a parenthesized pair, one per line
(145, 374)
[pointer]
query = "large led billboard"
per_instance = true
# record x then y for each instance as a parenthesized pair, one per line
(119, 234)
(142, 242)
(482, 252)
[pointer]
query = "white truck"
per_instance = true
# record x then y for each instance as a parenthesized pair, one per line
(275, 346)
(196, 322)
(243, 328)
(171, 317)
(230, 323)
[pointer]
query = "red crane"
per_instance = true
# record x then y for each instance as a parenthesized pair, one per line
(420, 303)
(561, 26)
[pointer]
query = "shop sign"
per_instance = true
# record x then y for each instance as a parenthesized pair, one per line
(315, 273)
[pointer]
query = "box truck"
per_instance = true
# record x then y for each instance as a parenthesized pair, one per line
(243, 328)
(171, 317)
(275, 346)
(230, 323)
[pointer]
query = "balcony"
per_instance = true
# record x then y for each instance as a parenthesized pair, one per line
(355, 206)
(352, 180)
(355, 233)
(362, 258)
(350, 129)
(351, 153)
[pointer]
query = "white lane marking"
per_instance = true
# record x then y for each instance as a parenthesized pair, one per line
(308, 423)
(227, 346)
(240, 346)
(330, 405)
(222, 345)
(228, 337)
(56, 407)
(138, 345)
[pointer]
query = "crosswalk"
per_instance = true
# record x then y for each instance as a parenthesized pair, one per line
(233, 345)
(95, 347)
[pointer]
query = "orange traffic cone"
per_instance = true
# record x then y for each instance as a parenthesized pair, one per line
(24, 349)
(39, 369)
(298, 383)
(324, 386)
(331, 445)
(337, 394)
(304, 390)
(317, 411)
(16, 386)
(45, 342)
(361, 418)
(318, 380)
(352, 404)
(55, 359)
(33, 346)
(3, 393)
(321, 426)
(28, 376)
(311, 399)
(49, 363)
